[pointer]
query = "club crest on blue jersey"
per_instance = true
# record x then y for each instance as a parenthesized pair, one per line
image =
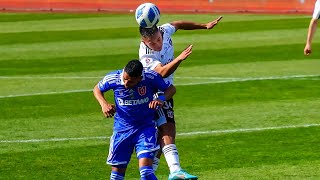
(142, 90)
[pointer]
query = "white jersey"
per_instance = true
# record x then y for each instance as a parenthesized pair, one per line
(150, 59)
(316, 12)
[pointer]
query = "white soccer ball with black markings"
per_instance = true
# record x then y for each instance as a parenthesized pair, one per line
(147, 15)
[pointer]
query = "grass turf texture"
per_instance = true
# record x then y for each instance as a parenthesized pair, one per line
(246, 67)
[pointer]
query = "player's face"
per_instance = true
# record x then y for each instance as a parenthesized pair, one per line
(154, 42)
(130, 82)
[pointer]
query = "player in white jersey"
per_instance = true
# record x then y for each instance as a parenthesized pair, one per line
(156, 53)
(312, 28)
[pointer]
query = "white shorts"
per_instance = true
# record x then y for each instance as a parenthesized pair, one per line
(316, 11)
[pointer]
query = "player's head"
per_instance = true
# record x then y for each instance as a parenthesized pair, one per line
(152, 37)
(132, 74)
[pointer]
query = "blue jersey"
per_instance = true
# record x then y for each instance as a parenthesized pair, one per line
(132, 105)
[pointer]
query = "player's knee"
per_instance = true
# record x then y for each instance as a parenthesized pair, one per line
(119, 168)
(168, 135)
(168, 139)
(168, 129)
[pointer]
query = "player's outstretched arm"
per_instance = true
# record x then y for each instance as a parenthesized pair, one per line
(311, 31)
(108, 109)
(168, 69)
(188, 25)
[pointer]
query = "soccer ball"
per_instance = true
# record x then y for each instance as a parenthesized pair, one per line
(147, 15)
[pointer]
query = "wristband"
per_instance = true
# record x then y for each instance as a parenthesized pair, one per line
(162, 98)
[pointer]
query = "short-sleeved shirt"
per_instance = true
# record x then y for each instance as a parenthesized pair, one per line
(150, 59)
(132, 104)
(316, 12)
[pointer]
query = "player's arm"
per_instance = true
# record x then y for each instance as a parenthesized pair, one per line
(312, 27)
(189, 25)
(311, 31)
(166, 87)
(168, 69)
(108, 109)
(168, 94)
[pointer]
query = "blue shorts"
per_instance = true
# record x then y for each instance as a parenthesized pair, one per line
(122, 145)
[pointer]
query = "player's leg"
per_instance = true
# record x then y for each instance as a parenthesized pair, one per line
(171, 153)
(156, 159)
(167, 131)
(146, 170)
(169, 149)
(146, 147)
(160, 121)
(120, 152)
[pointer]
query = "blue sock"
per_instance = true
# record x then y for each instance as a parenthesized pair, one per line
(116, 176)
(147, 173)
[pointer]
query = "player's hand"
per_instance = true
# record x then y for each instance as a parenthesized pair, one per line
(155, 104)
(185, 53)
(211, 24)
(307, 50)
(108, 110)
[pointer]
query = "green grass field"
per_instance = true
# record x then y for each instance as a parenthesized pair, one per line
(247, 103)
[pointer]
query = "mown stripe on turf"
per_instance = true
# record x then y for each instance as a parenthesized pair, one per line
(131, 32)
(247, 129)
(253, 69)
(67, 24)
(96, 22)
(18, 17)
(218, 132)
(63, 36)
(255, 25)
(181, 84)
(229, 40)
(83, 51)
(13, 17)
(76, 61)
(231, 17)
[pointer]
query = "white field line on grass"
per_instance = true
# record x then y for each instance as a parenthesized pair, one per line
(246, 130)
(46, 93)
(225, 80)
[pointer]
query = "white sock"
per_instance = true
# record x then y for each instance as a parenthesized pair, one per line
(155, 163)
(172, 157)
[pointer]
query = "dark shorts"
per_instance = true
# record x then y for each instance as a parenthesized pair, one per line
(166, 113)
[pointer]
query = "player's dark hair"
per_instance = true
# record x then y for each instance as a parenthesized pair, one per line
(134, 68)
(148, 32)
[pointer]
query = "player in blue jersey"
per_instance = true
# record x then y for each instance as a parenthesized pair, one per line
(312, 28)
(134, 110)
(156, 53)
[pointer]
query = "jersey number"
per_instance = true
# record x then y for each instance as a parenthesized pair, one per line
(167, 105)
